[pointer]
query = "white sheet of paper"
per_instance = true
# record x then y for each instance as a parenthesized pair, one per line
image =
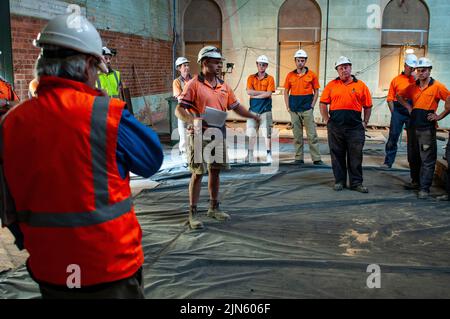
(214, 117)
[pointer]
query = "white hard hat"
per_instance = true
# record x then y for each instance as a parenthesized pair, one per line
(64, 31)
(262, 59)
(300, 54)
(106, 51)
(73, 32)
(209, 52)
(411, 60)
(342, 60)
(424, 63)
(181, 60)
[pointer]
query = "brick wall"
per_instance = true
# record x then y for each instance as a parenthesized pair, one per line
(24, 30)
(152, 58)
(148, 18)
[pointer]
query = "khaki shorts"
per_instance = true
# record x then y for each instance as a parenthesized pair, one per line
(265, 126)
(207, 155)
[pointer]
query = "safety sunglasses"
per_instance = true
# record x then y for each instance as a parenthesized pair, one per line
(213, 50)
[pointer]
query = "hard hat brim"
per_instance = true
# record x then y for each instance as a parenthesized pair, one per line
(341, 64)
(211, 55)
(61, 40)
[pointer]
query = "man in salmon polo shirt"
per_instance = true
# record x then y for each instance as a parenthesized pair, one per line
(207, 91)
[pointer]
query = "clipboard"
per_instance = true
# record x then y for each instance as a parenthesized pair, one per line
(214, 117)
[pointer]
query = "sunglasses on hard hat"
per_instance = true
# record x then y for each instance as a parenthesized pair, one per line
(213, 50)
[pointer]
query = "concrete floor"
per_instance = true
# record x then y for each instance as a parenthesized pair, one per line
(11, 258)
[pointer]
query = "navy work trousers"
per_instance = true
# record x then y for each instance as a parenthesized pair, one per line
(346, 149)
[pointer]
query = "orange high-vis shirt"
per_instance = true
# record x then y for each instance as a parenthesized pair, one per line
(266, 84)
(6, 92)
(198, 94)
(178, 85)
(427, 98)
(398, 84)
(354, 96)
(301, 84)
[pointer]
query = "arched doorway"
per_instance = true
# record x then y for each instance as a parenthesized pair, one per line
(202, 26)
(299, 26)
(404, 30)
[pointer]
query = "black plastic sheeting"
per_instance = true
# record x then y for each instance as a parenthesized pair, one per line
(290, 236)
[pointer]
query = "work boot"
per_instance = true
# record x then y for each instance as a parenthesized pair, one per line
(443, 197)
(215, 212)
(423, 195)
(194, 223)
(412, 186)
(360, 188)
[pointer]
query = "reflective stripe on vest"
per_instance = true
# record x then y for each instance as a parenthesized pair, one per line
(82, 219)
(117, 79)
(103, 212)
(118, 85)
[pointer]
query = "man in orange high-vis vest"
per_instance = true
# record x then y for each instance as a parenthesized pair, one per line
(66, 157)
(399, 114)
(178, 84)
(260, 87)
(425, 95)
(301, 91)
(348, 97)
